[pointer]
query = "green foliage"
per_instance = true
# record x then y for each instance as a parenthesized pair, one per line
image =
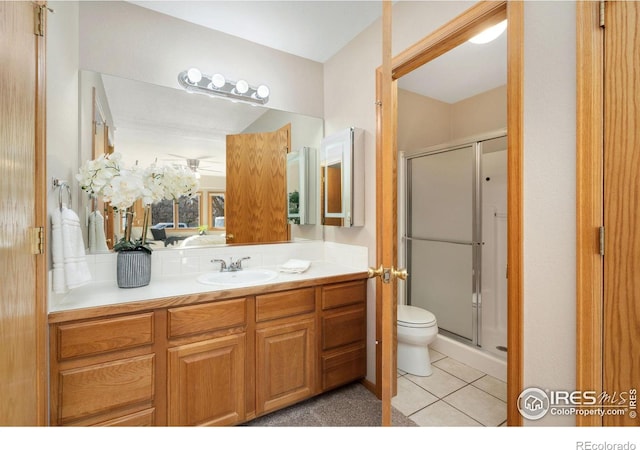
(131, 246)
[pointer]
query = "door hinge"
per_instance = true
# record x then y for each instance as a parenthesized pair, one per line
(40, 19)
(601, 233)
(602, 8)
(36, 240)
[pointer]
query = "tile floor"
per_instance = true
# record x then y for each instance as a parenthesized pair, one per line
(454, 395)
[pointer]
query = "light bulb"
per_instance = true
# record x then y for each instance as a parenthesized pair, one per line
(262, 91)
(194, 75)
(489, 34)
(217, 81)
(242, 87)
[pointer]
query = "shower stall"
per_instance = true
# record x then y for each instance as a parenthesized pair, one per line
(454, 238)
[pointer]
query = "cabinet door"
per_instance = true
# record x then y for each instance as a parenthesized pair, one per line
(206, 382)
(285, 364)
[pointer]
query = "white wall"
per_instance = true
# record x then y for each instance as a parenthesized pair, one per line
(549, 168)
(126, 40)
(349, 85)
(62, 99)
(549, 198)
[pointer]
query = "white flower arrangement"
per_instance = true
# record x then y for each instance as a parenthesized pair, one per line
(108, 177)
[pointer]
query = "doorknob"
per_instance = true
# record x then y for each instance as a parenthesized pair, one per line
(400, 273)
(372, 273)
(230, 237)
(387, 274)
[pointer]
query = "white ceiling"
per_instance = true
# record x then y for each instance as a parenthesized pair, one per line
(314, 30)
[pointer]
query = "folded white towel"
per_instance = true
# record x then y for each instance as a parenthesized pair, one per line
(57, 254)
(295, 266)
(70, 268)
(97, 238)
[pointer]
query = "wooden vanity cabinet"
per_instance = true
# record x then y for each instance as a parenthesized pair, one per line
(285, 348)
(344, 332)
(104, 371)
(206, 363)
(215, 362)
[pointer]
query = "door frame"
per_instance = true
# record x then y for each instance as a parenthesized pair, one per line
(445, 38)
(589, 200)
(41, 218)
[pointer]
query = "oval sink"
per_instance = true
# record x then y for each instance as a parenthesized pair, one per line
(239, 278)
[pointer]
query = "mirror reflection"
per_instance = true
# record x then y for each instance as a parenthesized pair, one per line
(148, 123)
(341, 162)
(301, 186)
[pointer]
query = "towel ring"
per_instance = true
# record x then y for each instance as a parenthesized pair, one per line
(63, 187)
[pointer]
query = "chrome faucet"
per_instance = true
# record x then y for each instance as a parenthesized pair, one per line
(236, 265)
(233, 266)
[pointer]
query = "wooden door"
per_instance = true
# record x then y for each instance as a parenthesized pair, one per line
(386, 220)
(256, 194)
(621, 324)
(23, 208)
(285, 363)
(450, 35)
(206, 382)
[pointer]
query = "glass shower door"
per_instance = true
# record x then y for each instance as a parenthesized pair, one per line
(441, 238)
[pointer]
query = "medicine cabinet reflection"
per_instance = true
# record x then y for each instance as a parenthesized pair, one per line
(342, 167)
(301, 186)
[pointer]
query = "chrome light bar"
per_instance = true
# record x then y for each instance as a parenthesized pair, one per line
(192, 80)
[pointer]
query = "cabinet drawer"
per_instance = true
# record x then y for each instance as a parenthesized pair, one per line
(102, 387)
(343, 327)
(285, 304)
(208, 317)
(99, 336)
(342, 367)
(343, 294)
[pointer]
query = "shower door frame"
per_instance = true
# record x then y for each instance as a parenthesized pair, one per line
(476, 236)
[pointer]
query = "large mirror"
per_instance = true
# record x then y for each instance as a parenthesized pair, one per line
(149, 123)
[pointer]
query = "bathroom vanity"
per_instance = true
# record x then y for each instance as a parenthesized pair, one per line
(209, 356)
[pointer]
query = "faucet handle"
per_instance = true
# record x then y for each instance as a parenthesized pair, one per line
(237, 264)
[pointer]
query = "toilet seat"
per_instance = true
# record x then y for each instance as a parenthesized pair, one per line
(414, 317)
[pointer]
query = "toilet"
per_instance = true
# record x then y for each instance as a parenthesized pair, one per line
(417, 328)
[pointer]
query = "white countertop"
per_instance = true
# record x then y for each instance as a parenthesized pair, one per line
(108, 293)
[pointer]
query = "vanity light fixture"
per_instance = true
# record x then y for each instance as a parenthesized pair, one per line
(192, 80)
(489, 34)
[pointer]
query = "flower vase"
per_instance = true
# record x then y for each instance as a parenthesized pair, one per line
(133, 268)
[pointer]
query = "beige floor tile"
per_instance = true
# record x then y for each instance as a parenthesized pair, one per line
(440, 414)
(435, 356)
(479, 405)
(439, 383)
(411, 397)
(493, 386)
(459, 370)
